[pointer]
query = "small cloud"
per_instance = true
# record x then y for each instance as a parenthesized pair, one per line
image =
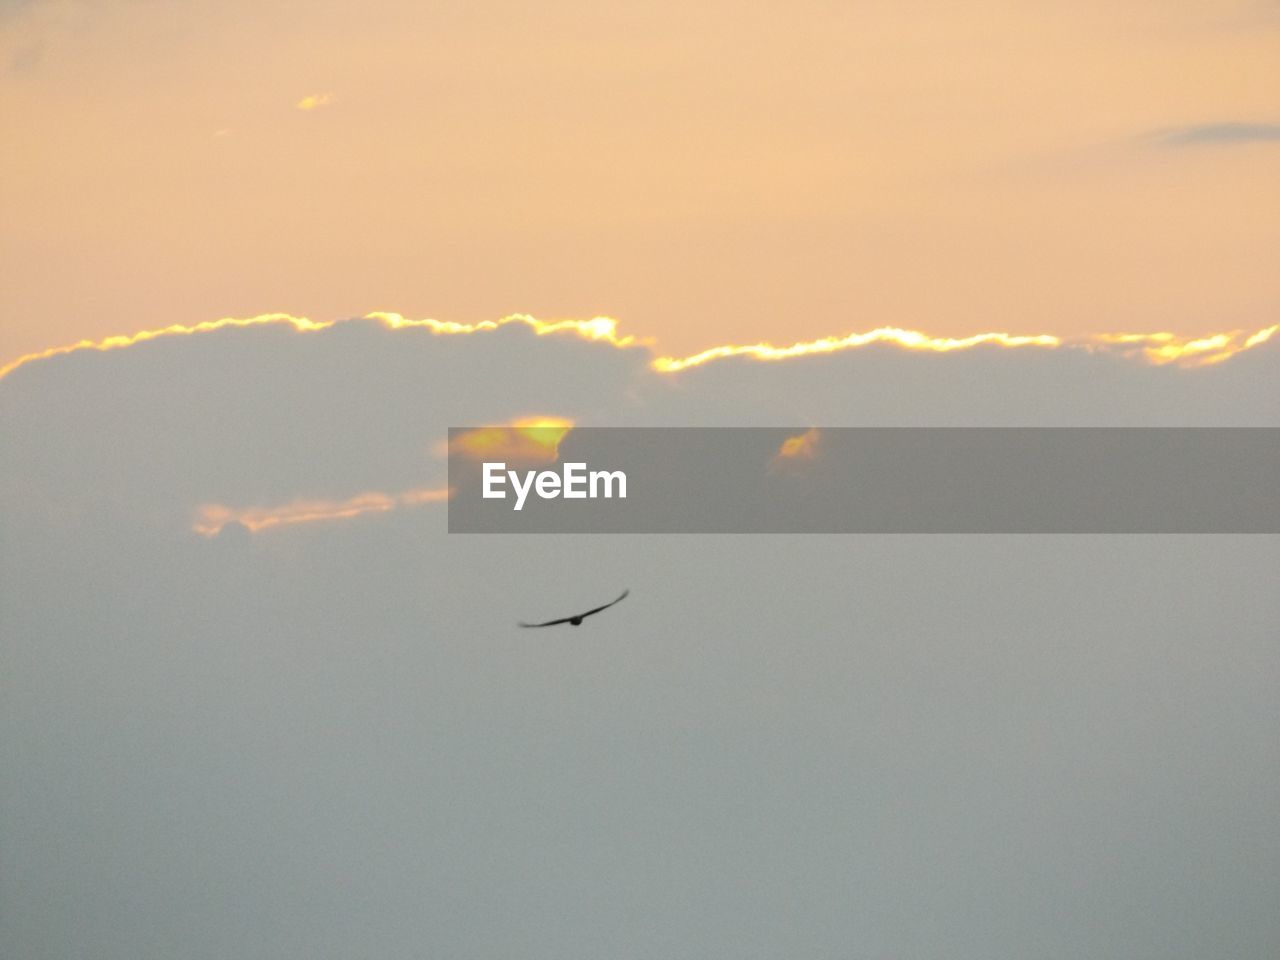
(223, 132)
(314, 101)
(796, 452)
(1219, 133)
(525, 439)
(214, 519)
(803, 446)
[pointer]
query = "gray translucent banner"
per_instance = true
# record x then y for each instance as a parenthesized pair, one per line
(860, 480)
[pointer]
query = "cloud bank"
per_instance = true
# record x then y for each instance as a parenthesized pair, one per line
(268, 417)
(327, 739)
(1224, 132)
(1156, 348)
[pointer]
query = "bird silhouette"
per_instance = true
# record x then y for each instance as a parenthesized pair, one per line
(577, 618)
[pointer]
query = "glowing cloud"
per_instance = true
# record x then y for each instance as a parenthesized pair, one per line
(314, 101)
(534, 438)
(1155, 348)
(301, 324)
(803, 446)
(596, 329)
(910, 339)
(1163, 348)
(211, 518)
(525, 439)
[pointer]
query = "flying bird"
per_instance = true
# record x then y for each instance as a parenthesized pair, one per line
(576, 619)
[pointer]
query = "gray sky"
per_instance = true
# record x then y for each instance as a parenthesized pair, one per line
(329, 739)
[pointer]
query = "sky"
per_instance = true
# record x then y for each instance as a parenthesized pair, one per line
(257, 702)
(704, 173)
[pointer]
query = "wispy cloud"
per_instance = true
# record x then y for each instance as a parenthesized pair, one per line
(314, 101)
(212, 517)
(1226, 132)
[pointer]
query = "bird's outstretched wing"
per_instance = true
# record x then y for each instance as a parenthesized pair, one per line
(578, 617)
(621, 597)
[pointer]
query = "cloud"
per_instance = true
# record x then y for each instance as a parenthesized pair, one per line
(211, 518)
(523, 440)
(1162, 348)
(533, 439)
(275, 418)
(597, 329)
(1225, 132)
(772, 729)
(803, 446)
(1156, 348)
(907, 339)
(314, 101)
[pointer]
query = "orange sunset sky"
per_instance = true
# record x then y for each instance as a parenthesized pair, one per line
(705, 173)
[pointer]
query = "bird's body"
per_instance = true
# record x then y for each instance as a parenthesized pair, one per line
(576, 619)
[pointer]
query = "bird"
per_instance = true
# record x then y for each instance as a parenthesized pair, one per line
(576, 619)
